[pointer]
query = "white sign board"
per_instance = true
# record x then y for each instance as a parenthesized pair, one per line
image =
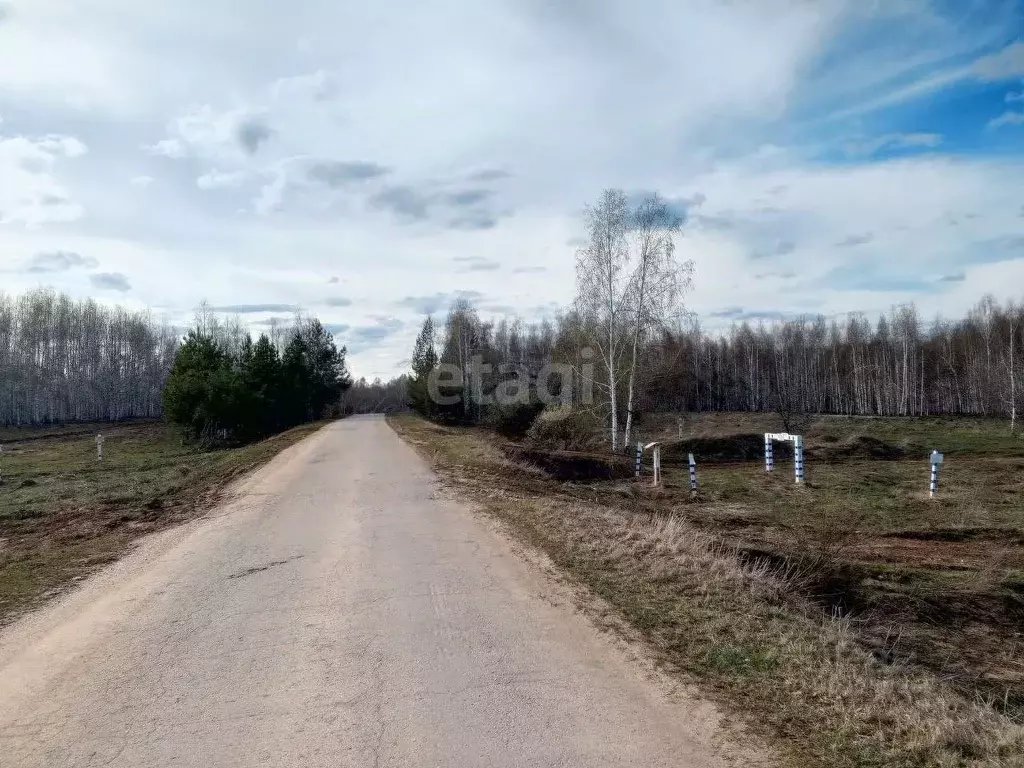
(937, 458)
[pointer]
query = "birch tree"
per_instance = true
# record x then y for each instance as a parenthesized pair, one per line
(1014, 325)
(464, 338)
(63, 360)
(656, 285)
(603, 280)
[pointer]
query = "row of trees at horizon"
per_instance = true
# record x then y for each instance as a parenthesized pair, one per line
(65, 360)
(647, 355)
(898, 365)
(376, 396)
(626, 339)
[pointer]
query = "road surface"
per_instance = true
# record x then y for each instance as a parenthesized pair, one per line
(336, 612)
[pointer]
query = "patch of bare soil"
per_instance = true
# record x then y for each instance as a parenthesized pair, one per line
(855, 447)
(571, 465)
(953, 607)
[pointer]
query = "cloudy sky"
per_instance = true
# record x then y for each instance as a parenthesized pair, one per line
(369, 161)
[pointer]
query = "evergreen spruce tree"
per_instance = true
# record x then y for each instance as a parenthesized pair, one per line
(424, 361)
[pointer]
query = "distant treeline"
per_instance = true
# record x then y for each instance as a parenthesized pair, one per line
(377, 396)
(64, 360)
(896, 365)
(632, 348)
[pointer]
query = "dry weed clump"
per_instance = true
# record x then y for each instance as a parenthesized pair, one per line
(569, 429)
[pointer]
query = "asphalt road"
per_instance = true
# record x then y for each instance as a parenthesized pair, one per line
(337, 612)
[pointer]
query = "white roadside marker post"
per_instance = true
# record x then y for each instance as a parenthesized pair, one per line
(798, 453)
(933, 483)
(656, 459)
(99, 447)
(639, 457)
(693, 475)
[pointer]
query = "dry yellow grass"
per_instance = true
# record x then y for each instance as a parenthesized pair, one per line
(735, 625)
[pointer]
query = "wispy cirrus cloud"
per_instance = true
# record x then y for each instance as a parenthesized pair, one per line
(1004, 64)
(477, 264)
(1008, 118)
(893, 141)
(851, 241)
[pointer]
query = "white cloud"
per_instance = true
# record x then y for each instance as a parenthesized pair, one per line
(316, 86)
(453, 152)
(30, 191)
(271, 195)
(172, 148)
(1003, 65)
(1007, 118)
(897, 212)
(218, 179)
(206, 132)
(54, 61)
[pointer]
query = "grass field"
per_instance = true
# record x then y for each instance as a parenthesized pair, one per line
(63, 513)
(857, 620)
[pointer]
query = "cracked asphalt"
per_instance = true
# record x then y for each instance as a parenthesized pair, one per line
(337, 611)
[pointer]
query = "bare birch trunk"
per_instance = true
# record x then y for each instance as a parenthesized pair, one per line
(631, 390)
